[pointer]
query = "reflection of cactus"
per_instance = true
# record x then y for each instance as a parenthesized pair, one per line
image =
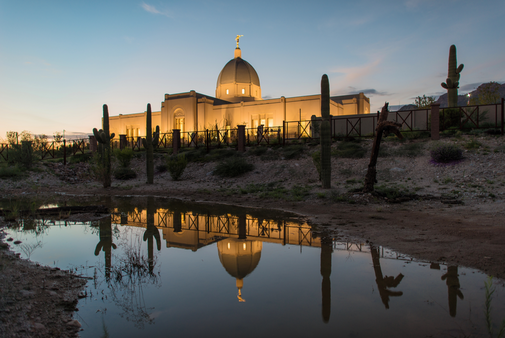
(104, 137)
(325, 134)
(106, 245)
(452, 82)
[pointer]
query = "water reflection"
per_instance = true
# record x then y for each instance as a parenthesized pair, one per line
(106, 243)
(451, 278)
(283, 288)
(384, 282)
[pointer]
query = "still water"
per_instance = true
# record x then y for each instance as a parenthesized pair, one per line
(160, 270)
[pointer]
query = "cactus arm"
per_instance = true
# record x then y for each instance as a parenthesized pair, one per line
(444, 85)
(460, 68)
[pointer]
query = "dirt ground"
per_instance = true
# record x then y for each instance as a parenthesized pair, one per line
(450, 214)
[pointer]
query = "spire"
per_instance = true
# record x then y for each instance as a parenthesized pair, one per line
(238, 52)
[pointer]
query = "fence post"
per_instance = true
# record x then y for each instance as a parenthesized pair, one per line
(176, 140)
(122, 141)
(502, 113)
(241, 137)
(283, 133)
(435, 121)
(93, 145)
(64, 152)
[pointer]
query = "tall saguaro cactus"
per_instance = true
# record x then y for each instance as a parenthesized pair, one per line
(325, 134)
(103, 137)
(452, 81)
(150, 142)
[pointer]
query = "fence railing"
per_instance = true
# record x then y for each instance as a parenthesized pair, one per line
(467, 117)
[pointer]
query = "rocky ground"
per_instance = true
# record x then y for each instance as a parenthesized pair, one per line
(451, 214)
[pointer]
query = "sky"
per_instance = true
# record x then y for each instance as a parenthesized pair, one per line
(61, 60)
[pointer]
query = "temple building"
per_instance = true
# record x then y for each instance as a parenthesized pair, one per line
(237, 101)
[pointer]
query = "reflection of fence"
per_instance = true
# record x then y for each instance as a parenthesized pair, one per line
(188, 230)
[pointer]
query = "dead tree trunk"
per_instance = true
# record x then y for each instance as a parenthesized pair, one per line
(386, 127)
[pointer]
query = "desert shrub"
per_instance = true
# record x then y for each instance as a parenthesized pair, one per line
(78, 158)
(316, 158)
(292, 151)
(450, 117)
(176, 165)
(472, 144)
(410, 150)
(219, 154)
(194, 154)
(124, 156)
(257, 151)
(232, 167)
(123, 173)
(11, 172)
(349, 150)
(446, 153)
(161, 168)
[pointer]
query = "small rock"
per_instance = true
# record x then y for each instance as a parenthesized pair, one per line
(74, 323)
(10, 239)
(38, 326)
(18, 242)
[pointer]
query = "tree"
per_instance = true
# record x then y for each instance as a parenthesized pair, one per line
(424, 101)
(487, 93)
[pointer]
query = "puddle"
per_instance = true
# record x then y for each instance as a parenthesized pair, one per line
(176, 269)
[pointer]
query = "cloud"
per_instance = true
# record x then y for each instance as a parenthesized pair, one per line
(470, 86)
(356, 73)
(370, 91)
(153, 10)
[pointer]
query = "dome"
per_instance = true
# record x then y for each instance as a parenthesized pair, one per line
(240, 71)
(238, 81)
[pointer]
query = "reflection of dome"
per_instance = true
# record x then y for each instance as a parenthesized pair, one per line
(239, 257)
(238, 81)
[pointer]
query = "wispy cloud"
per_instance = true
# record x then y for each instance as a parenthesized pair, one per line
(154, 10)
(356, 73)
(370, 91)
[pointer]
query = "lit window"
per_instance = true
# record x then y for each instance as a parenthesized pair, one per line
(243, 91)
(244, 246)
(227, 91)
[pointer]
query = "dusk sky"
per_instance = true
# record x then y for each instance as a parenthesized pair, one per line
(60, 61)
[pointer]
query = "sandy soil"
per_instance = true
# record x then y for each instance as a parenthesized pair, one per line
(453, 214)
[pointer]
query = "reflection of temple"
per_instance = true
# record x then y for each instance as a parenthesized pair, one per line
(239, 257)
(190, 230)
(239, 238)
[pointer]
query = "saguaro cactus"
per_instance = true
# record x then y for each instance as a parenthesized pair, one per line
(150, 142)
(103, 137)
(452, 81)
(325, 134)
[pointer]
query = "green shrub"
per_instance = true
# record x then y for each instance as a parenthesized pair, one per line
(292, 151)
(219, 154)
(194, 154)
(257, 151)
(11, 172)
(79, 158)
(472, 144)
(316, 158)
(232, 167)
(410, 150)
(446, 154)
(124, 173)
(176, 165)
(450, 117)
(161, 168)
(124, 156)
(349, 150)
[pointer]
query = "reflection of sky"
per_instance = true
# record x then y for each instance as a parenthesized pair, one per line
(197, 297)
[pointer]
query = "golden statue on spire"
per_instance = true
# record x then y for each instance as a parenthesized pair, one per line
(237, 38)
